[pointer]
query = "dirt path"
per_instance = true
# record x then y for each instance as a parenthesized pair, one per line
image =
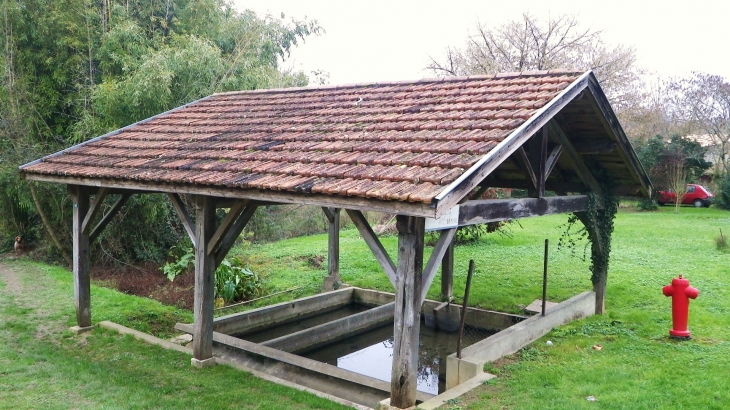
(11, 278)
(32, 297)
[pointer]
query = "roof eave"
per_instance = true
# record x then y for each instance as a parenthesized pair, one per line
(335, 201)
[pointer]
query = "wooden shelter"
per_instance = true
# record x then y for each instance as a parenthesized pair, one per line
(416, 149)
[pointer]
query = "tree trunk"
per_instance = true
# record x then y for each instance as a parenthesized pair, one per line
(48, 227)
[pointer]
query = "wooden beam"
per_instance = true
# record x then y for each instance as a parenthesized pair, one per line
(538, 158)
(233, 233)
(524, 162)
(584, 173)
(552, 160)
(407, 322)
(183, 214)
(333, 241)
(447, 274)
(595, 148)
(557, 186)
(493, 210)
(381, 255)
(328, 214)
(99, 228)
(204, 280)
(439, 250)
(94, 209)
(81, 257)
(226, 225)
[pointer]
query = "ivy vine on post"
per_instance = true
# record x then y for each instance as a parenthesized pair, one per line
(597, 221)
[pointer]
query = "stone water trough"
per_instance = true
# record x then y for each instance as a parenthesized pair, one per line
(338, 342)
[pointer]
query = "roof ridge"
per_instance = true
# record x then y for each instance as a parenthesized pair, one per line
(428, 80)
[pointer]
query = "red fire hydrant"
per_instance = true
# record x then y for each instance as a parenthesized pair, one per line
(681, 292)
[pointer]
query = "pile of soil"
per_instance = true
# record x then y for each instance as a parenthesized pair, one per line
(149, 282)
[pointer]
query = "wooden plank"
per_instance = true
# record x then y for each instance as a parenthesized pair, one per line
(407, 311)
(333, 331)
(94, 209)
(99, 228)
(493, 210)
(321, 200)
(381, 255)
(333, 242)
(234, 233)
(429, 272)
(225, 225)
(576, 160)
(204, 279)
(183, 214)
(81, 257)
(447, 274)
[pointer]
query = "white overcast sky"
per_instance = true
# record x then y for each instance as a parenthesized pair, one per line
(376, 40)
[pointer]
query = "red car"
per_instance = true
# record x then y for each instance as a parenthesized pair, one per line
(696, 195)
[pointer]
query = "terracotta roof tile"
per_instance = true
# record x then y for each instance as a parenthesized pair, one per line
(392, 141)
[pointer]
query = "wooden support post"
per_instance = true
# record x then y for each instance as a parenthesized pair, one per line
(204, 283)
(333, 280)
(407, 311)
(81, 258)
(447, 274)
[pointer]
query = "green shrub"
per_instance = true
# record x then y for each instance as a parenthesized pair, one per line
(723, 192)
(647, 204)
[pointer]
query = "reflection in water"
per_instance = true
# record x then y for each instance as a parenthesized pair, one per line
(371, 354)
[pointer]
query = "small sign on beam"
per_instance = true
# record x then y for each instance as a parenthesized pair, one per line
(447, 221)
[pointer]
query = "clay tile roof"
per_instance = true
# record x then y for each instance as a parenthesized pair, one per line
(404, 141)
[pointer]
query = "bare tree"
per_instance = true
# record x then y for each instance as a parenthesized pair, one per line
(531, 44)
(704, 100)
(676, 177)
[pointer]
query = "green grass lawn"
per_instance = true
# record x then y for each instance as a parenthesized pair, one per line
(638, 367)
(43, 366)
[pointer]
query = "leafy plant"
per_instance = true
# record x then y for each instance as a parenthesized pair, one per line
(184, 257)
(234, 282)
